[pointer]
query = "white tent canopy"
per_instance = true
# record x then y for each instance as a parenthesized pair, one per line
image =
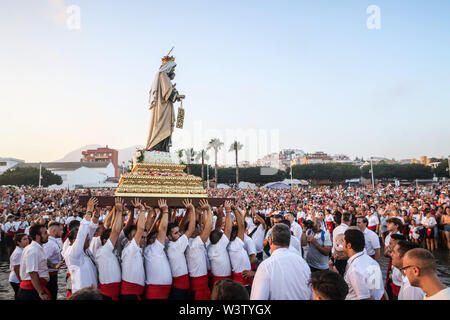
(296, 182)
(245, 185)
(223, 186)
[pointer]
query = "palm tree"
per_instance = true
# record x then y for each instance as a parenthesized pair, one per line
(204, 156)
(215, 144)
(236, 146)
(190, 154)
(180, 155)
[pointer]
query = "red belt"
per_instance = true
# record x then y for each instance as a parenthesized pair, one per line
(200, 286)
(181, 282)
(239, 278)
(111, 290)
(131, 288)
(429, 232)
(10, 234)
(217, 278)
(254, 266)
(28, 285)
(21, 231)
(69, 293)
(157, 291)
(53, 273)
(373, 228)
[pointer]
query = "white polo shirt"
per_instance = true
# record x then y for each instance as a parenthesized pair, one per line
(408, 292)
(294, 245)
(339, 230)
(33, 260)
(108, 264)
(196, 258)
(441, 295)
(249, 245)
(219, 258)
(133, 264)
(53, 252)
(81, 263)
(258, 238)
(364, 278)
(157, 267)
(177, 260)
(372, 241)
(14, 260)
(238, 256)
(282, 276)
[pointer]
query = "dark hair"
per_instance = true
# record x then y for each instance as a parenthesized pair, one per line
(356, 239)
(277, 216)
(234, 231)
(74, 224)
(127, 231)
(215, 236)
(281, 235)
(227, 289)
(88, 293)
(346, 217)
(170, 226)
(286, 222)
(36, 230)
(105, 235)
(396, 221)
(398, 237)
(404, 246)
(331, 285)
(18, 237)
(73, 234)
(364, 220)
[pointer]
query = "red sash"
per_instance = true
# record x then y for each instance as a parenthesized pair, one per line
(388, 272)
(53, 273)
(373, 228)
(181, 282)
(157, 291)
(429, 232)
(254, 266)
(69, 293)
(330, 226)
(200, 286)
(216, 278)
(395, 289)
(21, 231)
(239, 278)
(28, 285)
(10, 234)
(111, 290)
(128, 288)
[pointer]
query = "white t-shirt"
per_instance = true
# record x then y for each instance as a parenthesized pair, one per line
(258, 238)
(14, 260)
(219, 258)
(441, 295)
(195, 257)
(297, 230)
(249, 246)
(372, 241)
(238, 256)
(53, 252)
(108, 264)
(428, 222)
(133, 264)
(373, 220)
(282, 276)
(177, 260)
(294, 245)
(157, 267)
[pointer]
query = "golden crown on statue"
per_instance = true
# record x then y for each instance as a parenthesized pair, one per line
(166, 59)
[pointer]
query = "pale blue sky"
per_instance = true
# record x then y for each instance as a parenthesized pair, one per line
(310, 69)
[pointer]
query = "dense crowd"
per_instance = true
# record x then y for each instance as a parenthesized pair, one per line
(299, 243)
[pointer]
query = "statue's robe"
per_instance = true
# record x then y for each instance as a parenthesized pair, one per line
(162, 116)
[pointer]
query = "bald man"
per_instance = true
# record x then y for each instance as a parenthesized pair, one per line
(419, 265)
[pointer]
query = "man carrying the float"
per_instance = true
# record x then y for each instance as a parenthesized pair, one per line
(162, 97)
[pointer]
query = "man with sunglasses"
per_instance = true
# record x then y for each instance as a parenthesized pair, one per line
(419, 265)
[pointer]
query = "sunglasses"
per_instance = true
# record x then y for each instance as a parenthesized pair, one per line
(403, 270)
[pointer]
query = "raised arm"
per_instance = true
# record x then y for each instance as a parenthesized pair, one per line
(130, 217)
(219, 220)
(191, 211)
(117, 221)
(162, 229)
(109, 219)
(240, 222)
(204, 205)
(228, 220)
(140, 224)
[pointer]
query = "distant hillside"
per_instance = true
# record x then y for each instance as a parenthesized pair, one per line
(75, 155)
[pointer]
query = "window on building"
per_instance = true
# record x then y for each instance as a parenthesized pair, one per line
(110, 154)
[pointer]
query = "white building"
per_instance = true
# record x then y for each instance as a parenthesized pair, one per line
(7, 163)
(79, 174)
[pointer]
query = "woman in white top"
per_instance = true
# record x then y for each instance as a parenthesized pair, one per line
(14, 261)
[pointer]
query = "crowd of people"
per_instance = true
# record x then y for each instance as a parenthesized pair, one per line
(262, 244)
